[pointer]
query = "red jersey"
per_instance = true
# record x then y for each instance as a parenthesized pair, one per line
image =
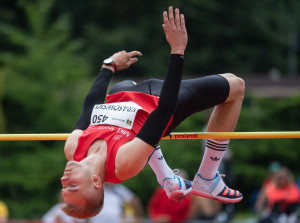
(113, 135)
(160, 205)
(286, 195)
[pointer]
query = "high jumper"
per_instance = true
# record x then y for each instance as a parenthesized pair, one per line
(113, 141)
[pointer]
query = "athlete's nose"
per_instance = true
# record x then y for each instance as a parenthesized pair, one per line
(64, 178)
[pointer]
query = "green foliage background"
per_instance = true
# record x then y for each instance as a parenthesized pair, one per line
(50, 52)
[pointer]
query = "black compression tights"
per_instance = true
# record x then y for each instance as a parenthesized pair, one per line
(195, 95)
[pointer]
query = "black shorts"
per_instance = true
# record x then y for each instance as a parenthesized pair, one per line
(195, 95)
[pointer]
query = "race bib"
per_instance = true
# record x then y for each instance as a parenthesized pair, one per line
(120, 114)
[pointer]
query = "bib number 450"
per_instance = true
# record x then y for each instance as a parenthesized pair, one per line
(97, 119)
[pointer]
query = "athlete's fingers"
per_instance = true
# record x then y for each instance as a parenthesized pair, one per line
(132, 61)
(165, 18)
(182, 21)
(177, 18)
(171, 16)
(121, 52)
(134, 53)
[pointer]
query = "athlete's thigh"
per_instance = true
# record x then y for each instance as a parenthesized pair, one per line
(121, 86)
(150, 86)
(199, 94)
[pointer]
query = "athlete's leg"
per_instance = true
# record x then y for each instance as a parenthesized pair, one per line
(175, 186)
(199, 94)
(207, 181)
(151, 86)
(159, 166)
(225, 116)
(121, 86)
(223, 119)
(225, 93)
(192, 98)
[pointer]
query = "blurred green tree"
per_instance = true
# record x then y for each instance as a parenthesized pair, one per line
(241, 36)
(36, 76)
(2, 120)
(43, 84)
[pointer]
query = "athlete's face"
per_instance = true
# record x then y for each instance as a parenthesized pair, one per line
(77, 183)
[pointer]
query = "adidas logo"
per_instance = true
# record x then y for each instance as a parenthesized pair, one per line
(161, 158)
(215, 158)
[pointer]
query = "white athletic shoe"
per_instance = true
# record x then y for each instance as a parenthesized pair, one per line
(215, 189)
(177, 188)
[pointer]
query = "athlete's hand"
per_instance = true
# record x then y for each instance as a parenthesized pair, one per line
(124, 60)
(175, 31)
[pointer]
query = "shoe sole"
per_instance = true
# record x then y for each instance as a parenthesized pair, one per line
(179, 195)
(217, 199)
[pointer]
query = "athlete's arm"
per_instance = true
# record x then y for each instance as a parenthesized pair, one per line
(157, 121)
(97, 93)
(132, 157)
(71, 144)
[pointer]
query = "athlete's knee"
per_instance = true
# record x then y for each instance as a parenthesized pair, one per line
(237, 87)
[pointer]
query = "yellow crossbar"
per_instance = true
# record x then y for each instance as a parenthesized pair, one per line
(175, 135)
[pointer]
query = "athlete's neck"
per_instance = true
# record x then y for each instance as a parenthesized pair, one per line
(96, 158)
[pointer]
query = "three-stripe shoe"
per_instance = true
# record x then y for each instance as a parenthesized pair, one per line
(177, 188)
(215, 189)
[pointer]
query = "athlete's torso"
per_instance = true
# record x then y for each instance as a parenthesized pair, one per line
(116, 136)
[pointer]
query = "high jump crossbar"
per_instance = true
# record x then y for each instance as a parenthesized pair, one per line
(175, 135)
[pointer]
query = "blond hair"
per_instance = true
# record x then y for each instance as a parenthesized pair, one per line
(83, 212)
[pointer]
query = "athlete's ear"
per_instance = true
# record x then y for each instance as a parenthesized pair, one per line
(96, 182)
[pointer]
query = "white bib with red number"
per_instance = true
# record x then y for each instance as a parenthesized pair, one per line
(120, 114)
